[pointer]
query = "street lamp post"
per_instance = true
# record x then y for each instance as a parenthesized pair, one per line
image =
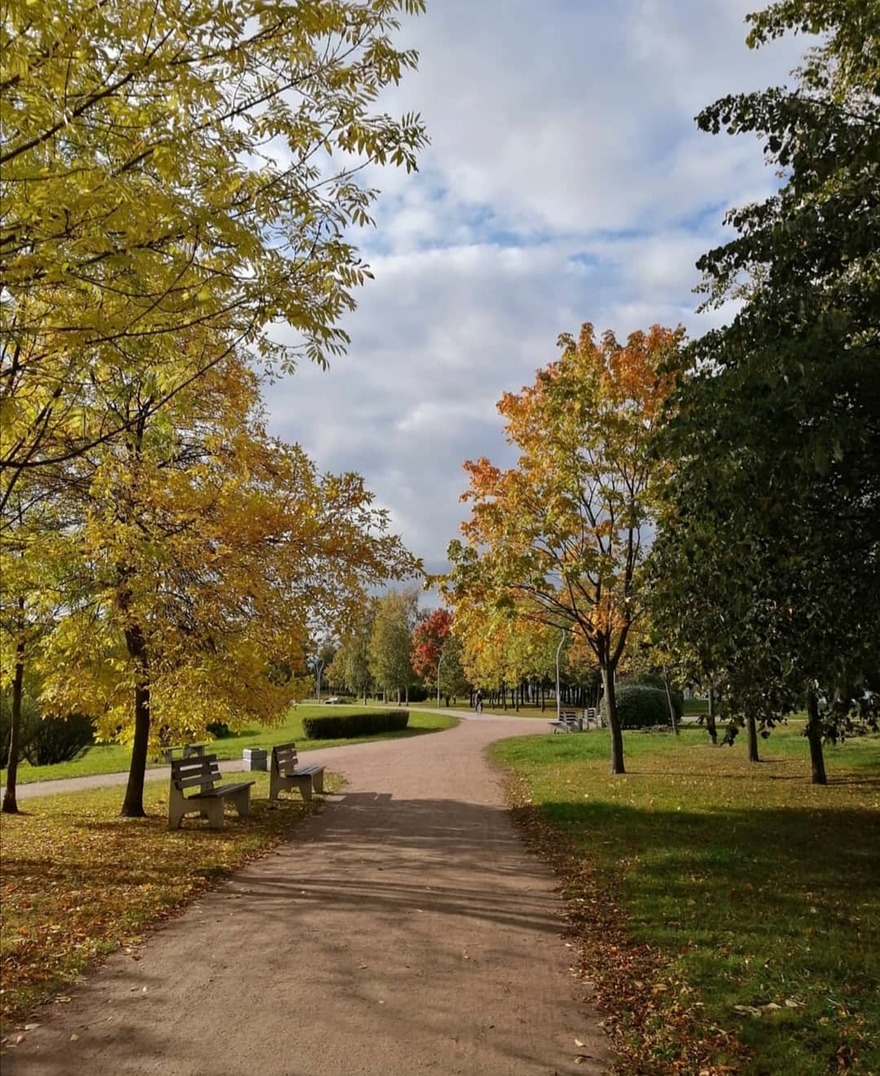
(439, 663)
(558, 701)
(319, 665)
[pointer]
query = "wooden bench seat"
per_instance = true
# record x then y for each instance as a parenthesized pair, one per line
(285, 774)
(201, 773)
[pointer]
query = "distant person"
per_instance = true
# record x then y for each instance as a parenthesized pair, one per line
(479, 701)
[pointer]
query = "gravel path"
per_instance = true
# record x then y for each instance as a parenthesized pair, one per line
(402, 930)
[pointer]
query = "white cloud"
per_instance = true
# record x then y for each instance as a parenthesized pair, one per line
(566, 181)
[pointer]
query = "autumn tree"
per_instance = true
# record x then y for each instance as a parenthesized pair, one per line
(168, 167)
(391, 641)
(38, 574)
(498, 651)
(768, 562)
(427, 646)
(560, 538)
(206, 551)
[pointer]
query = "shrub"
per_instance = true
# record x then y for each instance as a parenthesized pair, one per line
(656, 681)
(219, 730)
(343, 726)
(640, 707)
(30, 718)
(59, 739)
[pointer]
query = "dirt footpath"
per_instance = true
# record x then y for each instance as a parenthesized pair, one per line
(403, 930)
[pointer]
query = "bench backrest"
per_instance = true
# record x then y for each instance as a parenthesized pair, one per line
(283, 757)
(199, 770)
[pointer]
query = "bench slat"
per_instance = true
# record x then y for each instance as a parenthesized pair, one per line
(223, 790)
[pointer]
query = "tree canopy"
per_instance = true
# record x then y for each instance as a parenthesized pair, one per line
(168, 167)
(560, 538)
(768, 562)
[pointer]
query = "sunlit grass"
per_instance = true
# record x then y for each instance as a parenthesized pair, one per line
(115, 758)
(758, 892)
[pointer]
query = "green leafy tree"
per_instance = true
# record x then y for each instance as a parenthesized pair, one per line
(391, 640)
(768, 564)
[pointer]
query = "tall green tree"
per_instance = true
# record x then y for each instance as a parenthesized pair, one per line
(391, 641)
(768, 563)
(354, 653)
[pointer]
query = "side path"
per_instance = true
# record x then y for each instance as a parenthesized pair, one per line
(402, 930)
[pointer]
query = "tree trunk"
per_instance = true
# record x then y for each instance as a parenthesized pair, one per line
(133, 804)
(814, 738)
(611, 711)
(710, 716)
(672, 715)
(752, 730)
(10, 803)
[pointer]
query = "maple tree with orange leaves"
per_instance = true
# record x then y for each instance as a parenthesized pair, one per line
(561, 537)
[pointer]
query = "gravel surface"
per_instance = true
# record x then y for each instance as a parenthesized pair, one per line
(402, 930)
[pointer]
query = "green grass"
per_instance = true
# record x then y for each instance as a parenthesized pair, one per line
(756, 894)
(114, 758)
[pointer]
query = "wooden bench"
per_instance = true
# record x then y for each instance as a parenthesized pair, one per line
(183, 751)
(201, 772)
(285, 774)
(568, 722)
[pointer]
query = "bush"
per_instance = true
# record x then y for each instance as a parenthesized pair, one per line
(30, 718)
(219, 730)
(59, 739)
(345, 726)
(419, 692)
(640, 707)
(656, 681)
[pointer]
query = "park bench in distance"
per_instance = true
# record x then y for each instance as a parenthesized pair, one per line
(285, 774)
(201, 772)
(570, 721)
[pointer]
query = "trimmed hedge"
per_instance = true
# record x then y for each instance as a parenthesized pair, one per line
(640, 707)
(344, 726)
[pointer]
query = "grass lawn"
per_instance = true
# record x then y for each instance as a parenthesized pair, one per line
(114, 758)
(79, 881)
(728, 913)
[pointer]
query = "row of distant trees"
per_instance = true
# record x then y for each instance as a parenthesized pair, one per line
(400, 652)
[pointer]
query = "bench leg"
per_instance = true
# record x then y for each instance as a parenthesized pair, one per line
(304, 784)
(176, 811)
(214, 813)
(318, 782)
(242, 801)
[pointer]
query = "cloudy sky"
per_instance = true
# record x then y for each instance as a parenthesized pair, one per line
(566, 181)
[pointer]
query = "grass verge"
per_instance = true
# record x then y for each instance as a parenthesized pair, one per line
(115, 758)
(728, 913)
(79, 881)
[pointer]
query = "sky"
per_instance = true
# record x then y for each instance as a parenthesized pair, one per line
(566, 181)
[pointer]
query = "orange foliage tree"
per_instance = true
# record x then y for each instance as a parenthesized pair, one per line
(561, 537)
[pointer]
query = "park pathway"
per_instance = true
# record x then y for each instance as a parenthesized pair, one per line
(402, 930)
